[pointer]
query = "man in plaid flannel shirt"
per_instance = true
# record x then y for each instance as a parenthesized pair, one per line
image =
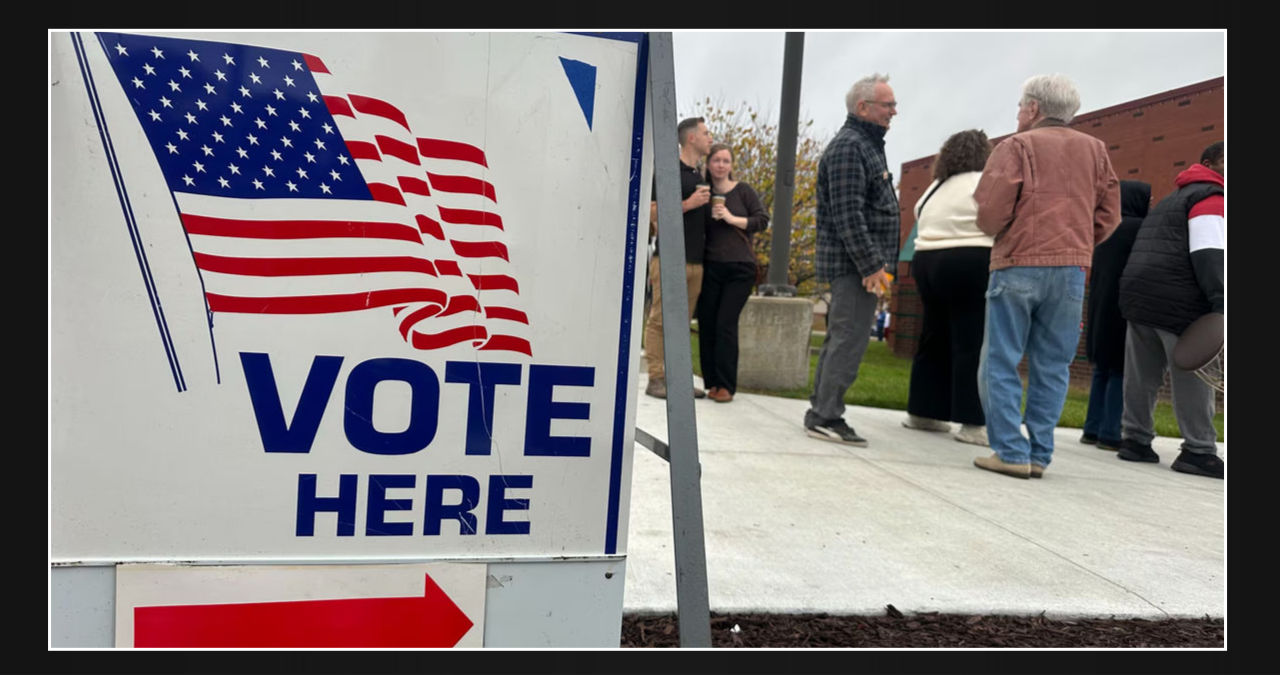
(858, 226)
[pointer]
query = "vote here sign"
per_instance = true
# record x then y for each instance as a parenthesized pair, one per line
(343, 296)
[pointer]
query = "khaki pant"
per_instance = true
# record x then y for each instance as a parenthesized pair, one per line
(653, 331)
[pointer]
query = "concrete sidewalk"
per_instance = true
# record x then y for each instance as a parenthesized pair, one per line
(796, 524)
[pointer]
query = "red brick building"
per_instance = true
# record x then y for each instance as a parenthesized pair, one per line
(1151, 139)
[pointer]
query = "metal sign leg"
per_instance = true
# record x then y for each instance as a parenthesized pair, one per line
(682, 432)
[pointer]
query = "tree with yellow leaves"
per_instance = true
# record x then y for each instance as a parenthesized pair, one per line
(754, 142)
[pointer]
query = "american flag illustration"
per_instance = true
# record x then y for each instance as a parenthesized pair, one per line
(300, 195)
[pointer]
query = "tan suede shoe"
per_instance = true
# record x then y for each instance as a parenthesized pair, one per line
(656, 388)
(994, 463)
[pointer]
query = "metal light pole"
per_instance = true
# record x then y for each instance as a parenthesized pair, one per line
(785, 179)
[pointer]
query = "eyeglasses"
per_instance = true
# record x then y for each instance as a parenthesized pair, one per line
(891, 105)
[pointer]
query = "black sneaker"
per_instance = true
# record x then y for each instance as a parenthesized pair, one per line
(835, 430)
(1088, 439)
(1199, 464)
(1134, 451)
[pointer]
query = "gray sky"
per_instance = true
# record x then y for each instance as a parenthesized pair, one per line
(943, 81)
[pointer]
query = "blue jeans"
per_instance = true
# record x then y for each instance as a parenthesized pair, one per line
(1106, 405)
(1031, 311)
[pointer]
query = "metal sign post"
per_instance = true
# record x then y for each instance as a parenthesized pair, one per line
(682, 431)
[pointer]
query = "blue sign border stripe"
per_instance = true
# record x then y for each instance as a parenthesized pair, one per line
(628, 292)
(641, 39)
(130, 220)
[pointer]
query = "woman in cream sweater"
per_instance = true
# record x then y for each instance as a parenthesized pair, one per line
(950, 269)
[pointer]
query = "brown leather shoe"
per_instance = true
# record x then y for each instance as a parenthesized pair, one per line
(719, 395)
(994, 463)
(1037, 471)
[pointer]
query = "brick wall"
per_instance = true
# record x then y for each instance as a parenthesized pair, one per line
(906, 317)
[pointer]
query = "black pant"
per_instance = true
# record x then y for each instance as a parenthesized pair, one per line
(725, 289)
(944, 373)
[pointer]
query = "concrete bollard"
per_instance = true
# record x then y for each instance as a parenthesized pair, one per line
(773, 342)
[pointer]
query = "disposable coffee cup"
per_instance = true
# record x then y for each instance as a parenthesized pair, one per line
(717, 199)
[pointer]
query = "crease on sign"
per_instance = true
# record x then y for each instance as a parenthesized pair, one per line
(350, 411)
(485, 415)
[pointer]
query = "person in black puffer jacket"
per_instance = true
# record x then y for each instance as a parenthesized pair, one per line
(1175, 276)
(1104, 343)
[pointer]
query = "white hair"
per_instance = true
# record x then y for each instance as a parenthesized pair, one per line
(1055, 93)
(863, 90)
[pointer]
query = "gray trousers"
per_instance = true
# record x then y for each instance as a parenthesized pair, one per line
(849, 320)
(1148, 352)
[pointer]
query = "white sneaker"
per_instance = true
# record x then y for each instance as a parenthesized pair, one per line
(974, 434)
(925, 423)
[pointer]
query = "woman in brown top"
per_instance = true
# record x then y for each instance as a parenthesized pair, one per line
(728, 272)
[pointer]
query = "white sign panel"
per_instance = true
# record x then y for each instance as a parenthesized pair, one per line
(300, 606)
(343, 296)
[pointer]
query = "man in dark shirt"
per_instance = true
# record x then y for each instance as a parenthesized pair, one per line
(695, 142)
(857, 242)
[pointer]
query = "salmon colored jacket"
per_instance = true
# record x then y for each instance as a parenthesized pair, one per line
(1048, 195)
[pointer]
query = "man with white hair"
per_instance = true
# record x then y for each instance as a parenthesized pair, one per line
(858, 223)
(1048, 195)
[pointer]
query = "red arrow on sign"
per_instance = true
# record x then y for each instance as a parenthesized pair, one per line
(432, 620)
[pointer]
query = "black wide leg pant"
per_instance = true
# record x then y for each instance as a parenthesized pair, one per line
(944, 373)
(725, 289)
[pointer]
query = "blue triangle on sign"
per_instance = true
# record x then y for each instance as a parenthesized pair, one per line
(582, 77)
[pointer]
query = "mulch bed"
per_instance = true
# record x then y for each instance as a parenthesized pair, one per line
(896, 630)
